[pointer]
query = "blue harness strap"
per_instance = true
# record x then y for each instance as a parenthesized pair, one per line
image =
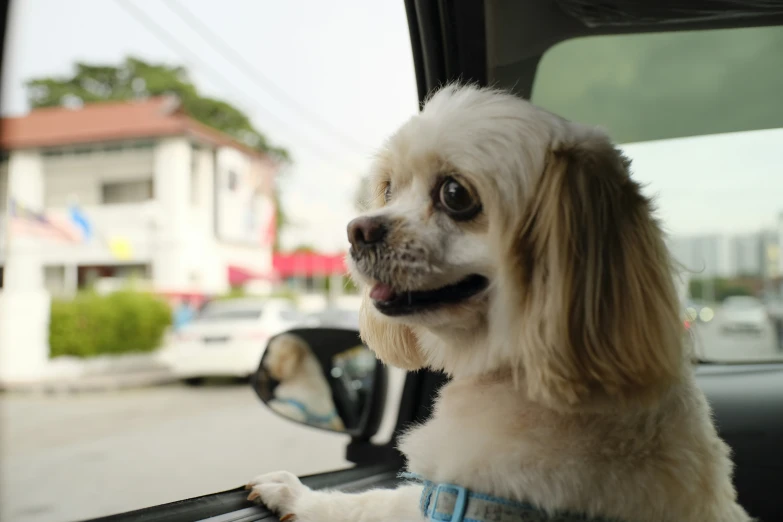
(450, 503)
(311, 418)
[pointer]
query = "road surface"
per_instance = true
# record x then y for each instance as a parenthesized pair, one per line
(71, 457)
(714, 344)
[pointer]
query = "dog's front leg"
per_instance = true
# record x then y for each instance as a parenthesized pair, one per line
(283, 493)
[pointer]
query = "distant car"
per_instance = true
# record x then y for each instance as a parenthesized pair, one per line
(227, 338)
(743, 314)
(333, 317)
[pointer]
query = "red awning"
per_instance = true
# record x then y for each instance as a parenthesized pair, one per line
(308, 265)
(238, 275)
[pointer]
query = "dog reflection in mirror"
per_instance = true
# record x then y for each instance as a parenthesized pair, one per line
(303, 393)
(512, 249)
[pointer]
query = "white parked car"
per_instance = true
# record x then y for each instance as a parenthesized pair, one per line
(744, 314)
(333, 317)
(227, 338)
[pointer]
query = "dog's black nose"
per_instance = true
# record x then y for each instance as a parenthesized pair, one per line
(364, 231)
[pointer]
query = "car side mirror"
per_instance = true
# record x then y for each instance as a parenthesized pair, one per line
(325, 378)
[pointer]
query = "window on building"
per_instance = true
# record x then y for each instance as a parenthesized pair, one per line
(143, 144)
(114, 147)
(135, 191)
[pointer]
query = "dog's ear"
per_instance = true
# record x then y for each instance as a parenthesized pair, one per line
(597, 310)
(394, 344)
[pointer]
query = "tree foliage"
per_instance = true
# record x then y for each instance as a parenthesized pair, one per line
(121, 322)
(133, 79)
(721, 288)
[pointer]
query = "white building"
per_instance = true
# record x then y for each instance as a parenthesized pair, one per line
(185, 207)
(721, 255)
(168, 199)
(703, 256)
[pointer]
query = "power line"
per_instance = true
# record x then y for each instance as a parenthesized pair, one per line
(167, 38)
(241, 63)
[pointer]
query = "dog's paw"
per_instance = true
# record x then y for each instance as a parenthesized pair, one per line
(278, 491)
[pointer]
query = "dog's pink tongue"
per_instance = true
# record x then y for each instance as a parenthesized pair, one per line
(382, 292)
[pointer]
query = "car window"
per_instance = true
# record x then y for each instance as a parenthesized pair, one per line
(701, 118)
(175, 182)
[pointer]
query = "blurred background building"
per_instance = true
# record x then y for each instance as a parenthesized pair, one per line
(753, 258)
(139, 189)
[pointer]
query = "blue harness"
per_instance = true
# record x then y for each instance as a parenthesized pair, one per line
(451, 503)
(310, 418)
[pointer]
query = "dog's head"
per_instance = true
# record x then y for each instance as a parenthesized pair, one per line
(285, 355)
(502, 237)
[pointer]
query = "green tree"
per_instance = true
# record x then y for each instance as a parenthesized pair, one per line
(134, 78)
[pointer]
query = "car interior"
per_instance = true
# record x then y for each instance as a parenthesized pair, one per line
(501, 42)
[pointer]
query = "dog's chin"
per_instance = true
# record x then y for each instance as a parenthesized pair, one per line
(412, 303)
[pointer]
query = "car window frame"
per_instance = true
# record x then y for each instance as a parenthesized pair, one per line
(447, 39)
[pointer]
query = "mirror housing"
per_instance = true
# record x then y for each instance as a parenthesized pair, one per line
(325, 378)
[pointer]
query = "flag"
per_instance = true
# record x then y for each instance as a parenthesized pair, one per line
(120, 248)
(80, 220)
(25, 221)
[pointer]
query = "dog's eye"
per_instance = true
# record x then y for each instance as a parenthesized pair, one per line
(458, 201)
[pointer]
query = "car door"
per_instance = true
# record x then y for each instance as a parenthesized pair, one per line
(454, 39)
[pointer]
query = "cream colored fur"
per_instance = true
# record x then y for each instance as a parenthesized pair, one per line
(290, 361)
(571, 385)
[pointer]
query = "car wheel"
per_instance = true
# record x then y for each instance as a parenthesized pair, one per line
(193, 381)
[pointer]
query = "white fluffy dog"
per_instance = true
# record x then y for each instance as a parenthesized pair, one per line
(511, 249)
(303, 394)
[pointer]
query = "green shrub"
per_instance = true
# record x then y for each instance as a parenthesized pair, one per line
(240, 293)
(121, 322)
(721, 288)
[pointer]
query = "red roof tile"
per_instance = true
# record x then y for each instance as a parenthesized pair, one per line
(108, 121)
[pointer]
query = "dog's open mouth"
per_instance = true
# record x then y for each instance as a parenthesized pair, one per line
(390, 302)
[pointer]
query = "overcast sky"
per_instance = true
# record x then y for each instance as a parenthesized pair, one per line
(348, 62)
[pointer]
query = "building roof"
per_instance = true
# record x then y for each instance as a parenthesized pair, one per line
(109, 121)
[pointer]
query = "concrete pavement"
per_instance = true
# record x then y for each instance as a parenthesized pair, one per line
(73, 457)
(69, 457)
(712, 343)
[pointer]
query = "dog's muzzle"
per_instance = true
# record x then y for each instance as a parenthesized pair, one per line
(401, 273)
